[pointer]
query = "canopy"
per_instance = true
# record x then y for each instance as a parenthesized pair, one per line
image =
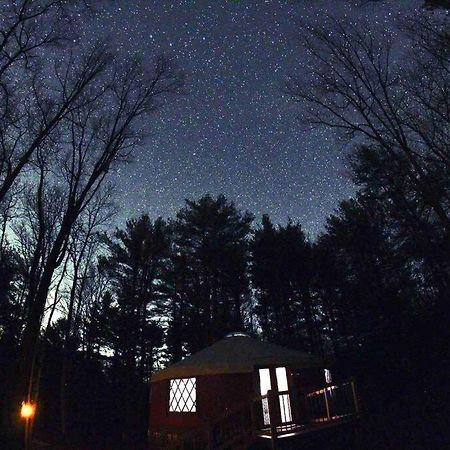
(238, 354)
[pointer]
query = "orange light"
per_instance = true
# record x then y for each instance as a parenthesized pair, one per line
(28, 410)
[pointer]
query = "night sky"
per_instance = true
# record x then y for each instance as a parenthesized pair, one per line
(233, 132)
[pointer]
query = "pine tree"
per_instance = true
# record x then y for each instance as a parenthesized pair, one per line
(208, 288)
(281, 275)
(135, 264)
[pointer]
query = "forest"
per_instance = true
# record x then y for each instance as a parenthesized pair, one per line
(89, 311)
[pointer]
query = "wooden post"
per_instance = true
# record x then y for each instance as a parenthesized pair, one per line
(271, 400)
(27, 434)
(326, 403)
(355, 398)
(295, 405)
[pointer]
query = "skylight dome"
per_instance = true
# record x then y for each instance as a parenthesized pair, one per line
(236, 334)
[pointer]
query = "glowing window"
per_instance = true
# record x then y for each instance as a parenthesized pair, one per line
(264, 381)
(328, 378)
(285, 402)
(264, 386)
(282, 379)
(183, 395)
(285, 408)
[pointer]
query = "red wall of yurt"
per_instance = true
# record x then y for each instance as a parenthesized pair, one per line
(216, 394)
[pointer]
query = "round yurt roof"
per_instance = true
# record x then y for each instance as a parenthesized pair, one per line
(238, 353)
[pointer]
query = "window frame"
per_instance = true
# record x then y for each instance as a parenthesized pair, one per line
(177, 400)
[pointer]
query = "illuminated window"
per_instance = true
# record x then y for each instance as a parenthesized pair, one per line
(281, 379)
(328, 378)
(285, 408)
(282, 386)
(285, 402)
(265, 386)
(183, 395)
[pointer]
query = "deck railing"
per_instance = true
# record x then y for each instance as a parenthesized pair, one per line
(332, 402)
(327, 405)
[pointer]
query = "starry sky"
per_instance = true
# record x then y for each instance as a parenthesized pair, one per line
(233, 132)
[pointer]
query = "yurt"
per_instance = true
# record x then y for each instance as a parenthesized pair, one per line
(211, 385)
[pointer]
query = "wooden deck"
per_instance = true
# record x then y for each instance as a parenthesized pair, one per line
(292, 430)
(324, 408)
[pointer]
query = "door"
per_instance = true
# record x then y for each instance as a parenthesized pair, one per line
(283, 395)
(278, 378)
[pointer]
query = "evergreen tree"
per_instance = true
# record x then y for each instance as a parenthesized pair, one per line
(138, 255)
(365, 285)
(208, 285)
(419, 237)
(281, 273)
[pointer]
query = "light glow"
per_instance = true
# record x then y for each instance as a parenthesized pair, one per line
(28, 410)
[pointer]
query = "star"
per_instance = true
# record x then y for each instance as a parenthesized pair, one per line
(233, 131)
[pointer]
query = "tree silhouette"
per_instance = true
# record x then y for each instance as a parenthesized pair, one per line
(208, 286)
(137, 257)
(281, 277)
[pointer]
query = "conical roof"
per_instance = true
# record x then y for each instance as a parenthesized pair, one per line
(238, 354)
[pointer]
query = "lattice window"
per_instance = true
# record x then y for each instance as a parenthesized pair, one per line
(183, 395)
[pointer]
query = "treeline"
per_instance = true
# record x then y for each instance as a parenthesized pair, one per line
(161, 289)
(88, 313)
